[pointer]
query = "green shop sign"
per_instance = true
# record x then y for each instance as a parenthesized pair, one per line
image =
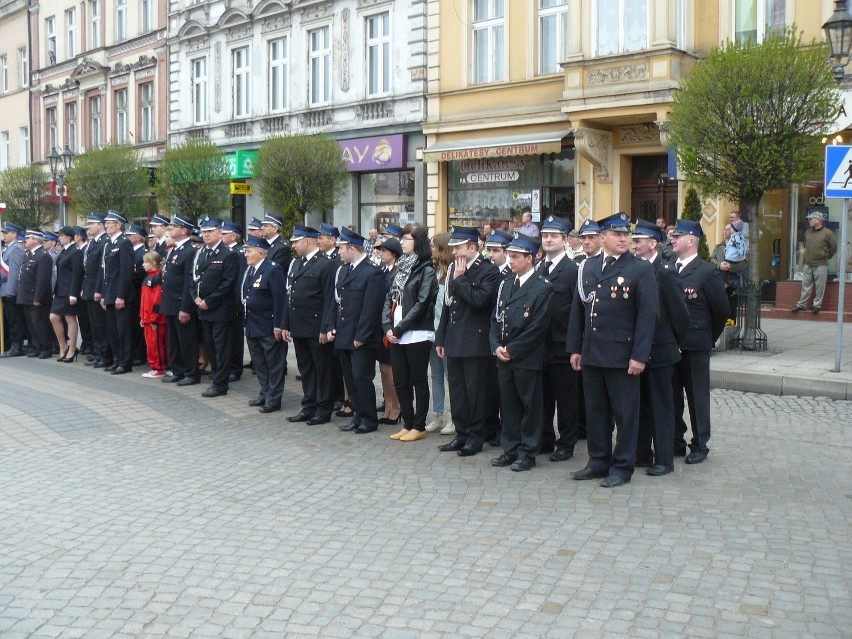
(241, 164)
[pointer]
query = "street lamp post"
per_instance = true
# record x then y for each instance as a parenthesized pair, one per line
(60, 164)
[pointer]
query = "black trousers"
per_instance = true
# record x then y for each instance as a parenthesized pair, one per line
(138, 350)
(656, 416)
(560, 392)
(217, 341)
(120, 332)
(15, 323)
(472, 396)
(611, 389)
(692, 375)
(40, 328)
(410, 363)
(238, 345)
(359, 370)
(267, 358)
(338, 390)
(521, 401)
(100, 338)
(183, 347)
(85, 324)
(314, 361)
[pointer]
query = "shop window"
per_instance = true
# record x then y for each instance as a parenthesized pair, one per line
(753, 18)
(386, 198)
(622, 26)
(489, 49)
(553, 34)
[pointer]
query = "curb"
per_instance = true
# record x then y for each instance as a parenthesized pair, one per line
(775, 384)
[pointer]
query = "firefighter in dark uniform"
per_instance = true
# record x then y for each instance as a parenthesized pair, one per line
(495, 246)
(656, 411)
(463, 339)
(610, 333)
(279, 250)
(158, 226)
(216, 270)
(354, 325)
(326, 240)
(231, 234)
(561, 385)
(35, 294)
(139, 350)
(519, 324)
(15, 324)
(178, 305)
(114, 290)
(93, 257)
(309, 300)
(708, 311)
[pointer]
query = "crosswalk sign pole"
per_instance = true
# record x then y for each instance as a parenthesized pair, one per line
(841, 285)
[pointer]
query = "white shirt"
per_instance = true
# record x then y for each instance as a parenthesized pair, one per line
(310, 255)
(352, 265)
(554, 261)
(685, 261)
(522, 279)
(604, 260)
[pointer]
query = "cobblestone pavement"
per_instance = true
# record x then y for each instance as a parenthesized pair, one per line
(136, 509)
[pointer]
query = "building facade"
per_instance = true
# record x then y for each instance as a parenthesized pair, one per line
(15, 125)
(242, 72)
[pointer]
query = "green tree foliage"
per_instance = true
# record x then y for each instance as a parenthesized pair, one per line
(24, 190)
(749, 118)
(300, 173)
(193, 180)
(109, 177)
(692, 211)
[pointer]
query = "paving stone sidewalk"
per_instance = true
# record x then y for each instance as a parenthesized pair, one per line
(135, 509)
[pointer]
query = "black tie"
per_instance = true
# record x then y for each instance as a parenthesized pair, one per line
(609, 261)
(250, 274)
(547, 265)
(679, 266)
(303, 263)
(516, 285)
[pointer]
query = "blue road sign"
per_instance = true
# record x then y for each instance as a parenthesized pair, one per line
(838, 171)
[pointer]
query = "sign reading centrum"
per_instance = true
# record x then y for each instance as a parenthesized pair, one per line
(490, 152)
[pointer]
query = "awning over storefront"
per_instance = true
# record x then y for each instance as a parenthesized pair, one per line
(496, 147)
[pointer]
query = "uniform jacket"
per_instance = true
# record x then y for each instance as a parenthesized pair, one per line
(69, 273)
(360, 293)
(162, 249)
(138, 271)
(152, 293)
(520, 322)
(418, 302)
(563, 278)
(13, 255)
(92, 262)
(115, 279)
(177, 280)
(673, 320)
(214, 278)
(34, 284)
(311, 296)
(466, 320)
(279, 252)
(265, 295)
(618, 325)
(707, 303)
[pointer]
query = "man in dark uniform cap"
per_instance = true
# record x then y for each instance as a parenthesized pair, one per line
(139, 350)
(656, 412)
(610, 333)
(354, 325)
(392, 230)
(13, 315)
(495, 247)
(279, 250)
(254, 228)
(326, 240)
(561, 386)
(35, 294)
(708, 311)
(231, 234)
(517, 336)
(92, 259)
(114, 290)
(158, 226)
(590, 235)
(463, 339)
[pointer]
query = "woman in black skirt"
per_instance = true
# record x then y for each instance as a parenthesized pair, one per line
(69, 280)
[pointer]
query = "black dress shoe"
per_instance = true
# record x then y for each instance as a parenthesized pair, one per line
(588, 473)
(696, 457)
(86, 350)
(214, 392)
(188, 381)
(233, 377)
(643, 464)
(561, 454)
(121, 370)
(269, 408)
(364, 429)
(348, 427)
(521, 465)
(658, 470)
(613, 481)
(258, 401)
(455, 445)
(301, 416)
(503, 460)
(32, 353)
(110, 368)
(316, 420)
(46, 355)
(469, 450)
(171, 379)
(103, 364)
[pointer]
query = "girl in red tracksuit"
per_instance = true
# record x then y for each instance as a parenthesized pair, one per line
(150, 319)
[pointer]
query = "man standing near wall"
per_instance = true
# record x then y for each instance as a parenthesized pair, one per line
(820, 246)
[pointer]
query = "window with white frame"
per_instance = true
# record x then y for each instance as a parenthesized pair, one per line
(378, 54)
(50, 39)
(146, 112)
(148, 12)
(95, 23)
(71, 125)
(319, 61)
(50, 138)
(23, 146)
(489, 49)
(23, 68)
(121, 116)
(241, 73)
(94, 122)
(753, 18)
(279, 73)
(70, 33)
(4, 150)
(199, 90)
(622, 26)
(4, 74)
(120, 20)
(553, 35)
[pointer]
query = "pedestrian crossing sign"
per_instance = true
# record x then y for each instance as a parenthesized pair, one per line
(838, 171)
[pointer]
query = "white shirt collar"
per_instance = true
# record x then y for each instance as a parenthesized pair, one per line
(214, 247)
(352, 265)
(113, 238)
(522, 279)
(554, 261)
(470, 262)
(310, 255)
(685, 261)
(183, 241)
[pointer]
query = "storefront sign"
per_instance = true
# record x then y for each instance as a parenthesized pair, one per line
(241, 164)
(374, 154)
(486, 171)
(494, 152)
(241, 188)
(495, 176)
